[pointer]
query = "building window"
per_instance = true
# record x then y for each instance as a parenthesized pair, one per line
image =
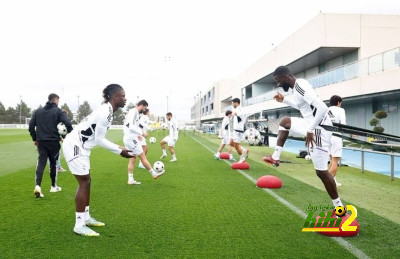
(212, 107)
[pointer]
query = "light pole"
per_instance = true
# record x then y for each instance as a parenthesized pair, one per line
(20, 109)
(167, 104)
(77, 112)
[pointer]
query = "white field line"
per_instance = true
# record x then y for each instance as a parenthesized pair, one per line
(341, 241)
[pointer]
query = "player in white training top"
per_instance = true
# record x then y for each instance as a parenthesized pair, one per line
(239, 119)
(338, 115)
(314, 112)
(91, 132)
(133, 134)
(144, 125)
(225, 135)
(171, 139)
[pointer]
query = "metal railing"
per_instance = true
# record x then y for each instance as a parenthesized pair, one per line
(381, 62)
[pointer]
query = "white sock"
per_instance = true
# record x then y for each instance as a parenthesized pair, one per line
(230, 156)
(152, 172)
(140, 163)
(334, 178)
(218, 154)
(173, 156)
(164, 151)
(277, 153)
(87, 214)
(337, 202)
(130, 176)
(79, 219)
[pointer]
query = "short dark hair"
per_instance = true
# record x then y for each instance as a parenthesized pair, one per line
(169, 114)
(236, 100)
(142, 102)
(335, 100)
(282, 70)
(52, 96)
(110, 90)
(228, 112)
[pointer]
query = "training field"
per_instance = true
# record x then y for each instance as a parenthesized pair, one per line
(200, 208)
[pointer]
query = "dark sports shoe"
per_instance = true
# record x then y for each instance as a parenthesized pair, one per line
(270, 160)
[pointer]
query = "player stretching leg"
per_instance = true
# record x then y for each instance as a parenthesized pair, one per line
(171, 138)
(238, 129)
(90, 132)
(133, 135)
(225, 135)
(314, 112)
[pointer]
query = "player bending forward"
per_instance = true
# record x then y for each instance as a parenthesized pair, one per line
(133, 135)
(171, 138)
(90, 132)
(225, 135)
(314, 112)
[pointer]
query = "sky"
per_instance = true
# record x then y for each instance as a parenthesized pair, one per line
(163, 51)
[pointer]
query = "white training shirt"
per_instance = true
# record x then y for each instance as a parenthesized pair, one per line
(132, 124)
(91, 131)
(311, 107)
(239, 119)
(337, 114)
(225, 129)
(173, 129)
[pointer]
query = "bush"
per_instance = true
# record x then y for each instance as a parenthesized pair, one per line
(380, 114)
(374, 122)
(379, 129)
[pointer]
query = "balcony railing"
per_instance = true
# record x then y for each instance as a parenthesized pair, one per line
(380, 62)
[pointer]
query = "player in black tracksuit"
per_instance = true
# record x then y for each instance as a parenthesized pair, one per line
(44, 132)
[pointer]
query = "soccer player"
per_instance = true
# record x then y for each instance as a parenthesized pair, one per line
(144, 125)
(45, 136)
(338, 115)
(133, 134)
(171, 138)
(239, 120)
(225, 135)
(314, 112)
(90, 132)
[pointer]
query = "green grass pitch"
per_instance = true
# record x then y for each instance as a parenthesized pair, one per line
(200, 208)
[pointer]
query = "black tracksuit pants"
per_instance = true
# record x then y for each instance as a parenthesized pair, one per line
(47, 149)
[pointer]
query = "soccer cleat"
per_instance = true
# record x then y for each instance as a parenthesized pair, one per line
(61, 170)
(338, 184)
(141, 166)
(270, 160)
(173, 160)
(85, 231)
(232, 159)
(92, 222)
(163, 155)
(242, 159)
(245, 153)
(38, 192)
(156, 175)
(133, 182)
(216, 157)
(55, 189)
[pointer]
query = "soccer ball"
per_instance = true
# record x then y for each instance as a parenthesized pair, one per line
(152, 140)
(62, 130)
(158, 166)
(164, 126)
(251, 140)
(340, 211)
(307, 157)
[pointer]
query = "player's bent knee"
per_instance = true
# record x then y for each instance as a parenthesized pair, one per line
(285, 123)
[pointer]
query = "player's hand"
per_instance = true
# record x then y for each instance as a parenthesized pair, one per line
(310, 140)
(145, 134)
(125, 153)
(279, 97)
(36, 143)
(140, 138)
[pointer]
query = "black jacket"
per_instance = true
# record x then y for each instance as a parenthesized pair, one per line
(43, 125)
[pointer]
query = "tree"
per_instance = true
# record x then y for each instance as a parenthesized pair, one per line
(84, 110)
(376, 121)
(119, 117)
(2, 113)
(69, 112)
